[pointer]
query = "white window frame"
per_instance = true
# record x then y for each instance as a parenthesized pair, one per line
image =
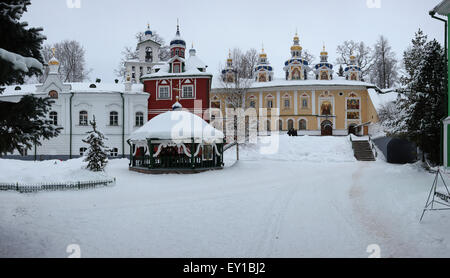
(84, 122)
(114, 118)
(136, 119)
(168, 92)
(53, 116)
(182, 91)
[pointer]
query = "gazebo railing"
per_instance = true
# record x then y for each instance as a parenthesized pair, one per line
(175, 162)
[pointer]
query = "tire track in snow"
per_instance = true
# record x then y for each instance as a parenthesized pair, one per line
(276, 213)
(386, 234)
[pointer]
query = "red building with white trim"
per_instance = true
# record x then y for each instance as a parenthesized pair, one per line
(179, 77)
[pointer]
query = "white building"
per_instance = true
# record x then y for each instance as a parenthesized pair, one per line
(148, 56)
(119, 110)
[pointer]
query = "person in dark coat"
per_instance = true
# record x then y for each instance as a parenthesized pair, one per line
(295, 132)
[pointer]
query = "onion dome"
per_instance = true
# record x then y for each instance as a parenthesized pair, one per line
(324, 52)
(296, 48)
(148, 32)
(177, 106)
(178, 40)
(53, 61)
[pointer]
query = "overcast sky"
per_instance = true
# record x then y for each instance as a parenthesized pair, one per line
(105, 27)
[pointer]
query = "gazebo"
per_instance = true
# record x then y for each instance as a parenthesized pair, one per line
(176, 142)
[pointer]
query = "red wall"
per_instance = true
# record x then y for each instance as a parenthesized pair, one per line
(157, 106)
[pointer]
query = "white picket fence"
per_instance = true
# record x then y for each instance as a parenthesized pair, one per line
(57, 186)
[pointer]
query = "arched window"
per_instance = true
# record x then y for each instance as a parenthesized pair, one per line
(290, 124)
(139, 119)
(280, 125)
(114, 152)
(53, 94)
(148, 54)
(83, 118)
(113, 118)
(53, 118)
(82, 151)
(302, 124)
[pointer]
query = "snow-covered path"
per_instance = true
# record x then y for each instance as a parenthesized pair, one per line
(308, 199)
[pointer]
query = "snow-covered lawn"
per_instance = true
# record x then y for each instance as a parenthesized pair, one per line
(309, 199)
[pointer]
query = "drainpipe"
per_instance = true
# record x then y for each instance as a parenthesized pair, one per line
(70, 136)
(123, 125)
(432, 14)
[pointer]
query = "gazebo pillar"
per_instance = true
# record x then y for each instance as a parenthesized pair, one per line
(192, 153)
(150, 151)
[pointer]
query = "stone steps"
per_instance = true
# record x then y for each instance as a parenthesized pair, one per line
(363, 151)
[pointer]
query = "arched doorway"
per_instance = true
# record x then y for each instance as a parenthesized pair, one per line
(327, 128)
(352, 129)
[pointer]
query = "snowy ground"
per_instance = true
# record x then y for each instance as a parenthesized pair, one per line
(308, 199)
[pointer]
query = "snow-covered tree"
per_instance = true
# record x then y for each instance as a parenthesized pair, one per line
(20, 46)
(340, 71)
(24, 124)
(384, 70)
(362, 52)
(97, 153)
(424, 103)
(71, 56)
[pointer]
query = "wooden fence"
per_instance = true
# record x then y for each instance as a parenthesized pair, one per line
(57, 186)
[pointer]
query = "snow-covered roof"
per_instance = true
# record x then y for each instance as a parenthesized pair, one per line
(26, 89)
(192, 65)
(337, 81)
(379, 100)
(178, 126)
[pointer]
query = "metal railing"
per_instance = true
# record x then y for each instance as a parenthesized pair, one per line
(56, 186)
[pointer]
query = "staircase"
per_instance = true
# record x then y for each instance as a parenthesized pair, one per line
(363, 150)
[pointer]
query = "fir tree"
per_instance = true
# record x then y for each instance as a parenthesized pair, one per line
(425, 95)
(341, 71)
(97, 153)
(23, 124)
(18, 41)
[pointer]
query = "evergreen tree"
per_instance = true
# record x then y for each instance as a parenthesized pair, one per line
(23, 124)
(341, 71)
(20, 47)
(97, 153)
(425, 94)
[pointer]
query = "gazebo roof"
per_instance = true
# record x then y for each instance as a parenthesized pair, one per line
(177, 126)
(443, 8)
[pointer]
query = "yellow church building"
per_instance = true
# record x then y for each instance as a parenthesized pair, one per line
(311, 99)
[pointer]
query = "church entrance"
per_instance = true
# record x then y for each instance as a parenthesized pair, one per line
(352, 129)
(327, 128)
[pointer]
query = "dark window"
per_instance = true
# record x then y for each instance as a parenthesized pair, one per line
(83, 118)
(54, 118)
(139, 119)
(113, 118)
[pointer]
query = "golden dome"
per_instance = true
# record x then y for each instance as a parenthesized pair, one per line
(352, 57)
(324, 52)
(296, 47)
(53, 62)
